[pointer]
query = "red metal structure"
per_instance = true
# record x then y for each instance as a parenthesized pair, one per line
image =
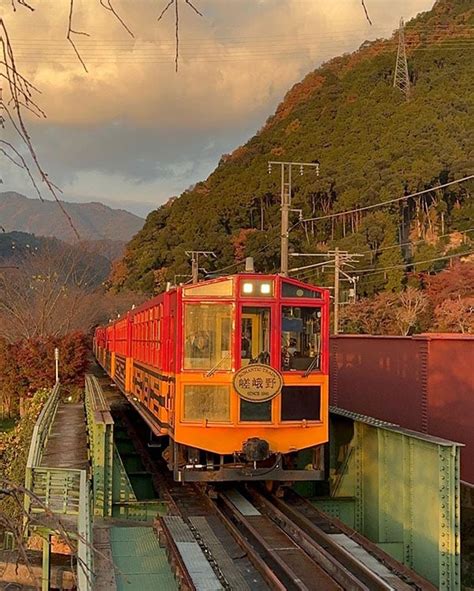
(424, 383)
(231, 374)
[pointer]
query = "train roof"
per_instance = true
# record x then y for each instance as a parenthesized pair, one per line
(216, 280)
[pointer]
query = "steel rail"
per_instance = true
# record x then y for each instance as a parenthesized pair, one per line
(298, 506)
(290, 579)
(186, 582)
(258, 562)
(337, 561)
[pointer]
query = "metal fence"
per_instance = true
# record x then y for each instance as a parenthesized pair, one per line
(60, 492)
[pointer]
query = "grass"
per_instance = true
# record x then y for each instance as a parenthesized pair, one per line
(7, 424)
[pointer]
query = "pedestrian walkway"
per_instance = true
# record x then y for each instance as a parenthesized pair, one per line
(66, 446)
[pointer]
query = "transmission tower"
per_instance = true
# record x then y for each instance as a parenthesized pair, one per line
(401, 79)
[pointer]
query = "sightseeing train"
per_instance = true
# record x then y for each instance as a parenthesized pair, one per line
(231, 374)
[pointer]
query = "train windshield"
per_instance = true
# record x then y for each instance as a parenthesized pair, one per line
(207, 336)
(301, 338)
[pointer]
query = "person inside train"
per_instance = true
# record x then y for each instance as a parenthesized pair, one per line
(199, 345)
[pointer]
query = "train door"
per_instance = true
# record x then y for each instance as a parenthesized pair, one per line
(255, 335)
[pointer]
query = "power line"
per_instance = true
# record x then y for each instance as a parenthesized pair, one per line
(190, 40)
(381, 204)
(412, 243)
(373, 271)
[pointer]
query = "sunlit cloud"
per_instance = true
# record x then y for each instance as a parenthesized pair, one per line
(131, 117)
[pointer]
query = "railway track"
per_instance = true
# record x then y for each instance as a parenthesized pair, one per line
(287, 544)
(242, 538)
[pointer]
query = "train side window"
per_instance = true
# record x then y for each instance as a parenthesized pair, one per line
(255, 335)
(207, 336)
(301, 338)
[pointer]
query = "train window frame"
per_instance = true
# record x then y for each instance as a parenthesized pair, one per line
(225, 393)
(258, 420)
(223, 359)
(318, 356)
(248, 311)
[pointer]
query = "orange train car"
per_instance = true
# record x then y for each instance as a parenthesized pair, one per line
(231, 374)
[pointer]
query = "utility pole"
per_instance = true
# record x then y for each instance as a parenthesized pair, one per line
(286, 172)
(56, 363)
(195, 254)
(336, 290)
(401, 79)
(340, 259)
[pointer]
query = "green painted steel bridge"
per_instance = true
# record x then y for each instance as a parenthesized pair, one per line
(398, 488)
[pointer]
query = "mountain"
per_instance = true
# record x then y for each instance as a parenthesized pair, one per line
(373, 146)
(79, 264)
(93, 221)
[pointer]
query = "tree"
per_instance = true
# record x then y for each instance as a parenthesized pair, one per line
(46, 295)
(370, 316)
(411, 303)
(455, 315)
(11, 382)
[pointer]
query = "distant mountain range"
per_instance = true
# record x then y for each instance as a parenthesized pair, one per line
(93, 221)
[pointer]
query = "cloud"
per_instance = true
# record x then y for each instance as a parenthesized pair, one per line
(131, 117)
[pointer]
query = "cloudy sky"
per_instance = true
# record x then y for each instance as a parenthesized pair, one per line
(131, 132)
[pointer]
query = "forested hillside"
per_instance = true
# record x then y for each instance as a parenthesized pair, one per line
(372, 145)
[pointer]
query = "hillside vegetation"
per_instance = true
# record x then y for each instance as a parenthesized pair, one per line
(372, 145)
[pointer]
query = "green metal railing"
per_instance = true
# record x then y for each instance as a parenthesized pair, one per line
(62, 492)
(112, 494)
(399, 488)
(40, 435)
(100, 428)
(85, 561)
(58, 489)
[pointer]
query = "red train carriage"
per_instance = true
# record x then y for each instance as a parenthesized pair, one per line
(233, 372)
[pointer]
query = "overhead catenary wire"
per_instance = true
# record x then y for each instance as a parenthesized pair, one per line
(372, 271)
(383, 203)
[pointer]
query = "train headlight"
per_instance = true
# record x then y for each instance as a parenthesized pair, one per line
(265, 288)
(247, 288)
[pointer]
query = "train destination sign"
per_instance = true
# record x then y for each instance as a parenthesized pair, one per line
(257, 382)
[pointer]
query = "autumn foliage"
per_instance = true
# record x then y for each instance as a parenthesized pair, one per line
(432, 303)
(28, 365)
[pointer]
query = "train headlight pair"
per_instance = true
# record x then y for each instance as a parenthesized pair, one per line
(248, 288)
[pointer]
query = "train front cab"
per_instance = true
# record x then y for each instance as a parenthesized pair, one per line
(231, 323)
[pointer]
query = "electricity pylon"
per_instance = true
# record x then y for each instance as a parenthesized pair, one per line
(401, 79)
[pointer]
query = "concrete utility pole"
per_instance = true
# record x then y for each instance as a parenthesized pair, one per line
(56, 363)
(194, 254)
(401, 79)
(286, 170)
(336, 290)
(342, 258)
(339, 258)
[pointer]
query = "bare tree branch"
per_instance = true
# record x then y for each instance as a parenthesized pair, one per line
(20, 92)
(366, 12)
(111, 8)
(71, 31)
(176, 24)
